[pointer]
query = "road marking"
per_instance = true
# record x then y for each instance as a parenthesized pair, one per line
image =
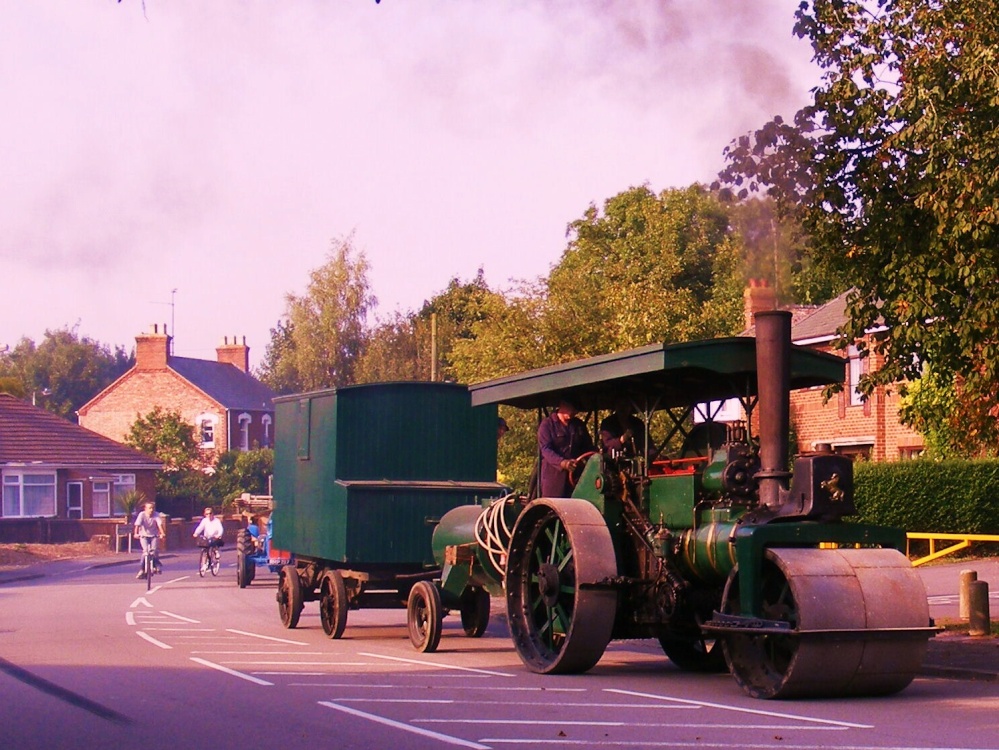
(267, 637)
(261, 653)
(550, 722)
(304, 663)
(140, 601)
(399, 686)
(405, 727)
(130, 618)
(658, 706)
(233, 672)
(179, 617)
(152, 640)
(755, 711)
(185, 630)
(437, 665)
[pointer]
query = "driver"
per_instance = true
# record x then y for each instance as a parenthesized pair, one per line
(562, 439)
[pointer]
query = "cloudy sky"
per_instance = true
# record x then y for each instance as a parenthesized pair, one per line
(217, 148)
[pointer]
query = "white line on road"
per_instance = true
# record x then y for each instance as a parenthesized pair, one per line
(756, 711)
(260, 653)
(185, 630)
(152, 640)
(436, 665)
(179, 617)
(267, 637)
(140, 601)
(549, 722)
(405, 727)
(397, 686)
(658, 706)
(129, 618)
(233, 672)
(303, 663)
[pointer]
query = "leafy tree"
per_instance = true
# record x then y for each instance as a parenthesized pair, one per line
(892, 171)
(278, 368)
(166, 436)
(648, 268)
(325, 332)
(68, 368)
(951, 418)
(394, 352)
(237, 472)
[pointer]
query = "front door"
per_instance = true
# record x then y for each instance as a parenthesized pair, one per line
(74, 499)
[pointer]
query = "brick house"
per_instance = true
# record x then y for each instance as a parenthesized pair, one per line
(228, 407)
(53, 468)
(864, 429)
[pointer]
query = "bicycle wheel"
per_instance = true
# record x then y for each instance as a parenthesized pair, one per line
(216, 560)
(203, 566)
(149, 570)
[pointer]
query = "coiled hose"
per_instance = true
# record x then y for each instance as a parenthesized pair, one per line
(492, 533)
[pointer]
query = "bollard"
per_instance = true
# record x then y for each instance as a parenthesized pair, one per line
(967, 577)
(978, 600)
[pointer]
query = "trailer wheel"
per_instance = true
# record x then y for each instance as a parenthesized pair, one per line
(333, 604)
(424, 616)
(474, 607)
(694, 654)
(289, 596)
(560, 603)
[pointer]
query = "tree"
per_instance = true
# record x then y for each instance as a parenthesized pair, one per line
(325, 330)
(892, 170)
(69, 369)
(166, 436)
(648, 268)
(237, 472)
(393, 351)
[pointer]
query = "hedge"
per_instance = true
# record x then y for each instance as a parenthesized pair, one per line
(960, 497)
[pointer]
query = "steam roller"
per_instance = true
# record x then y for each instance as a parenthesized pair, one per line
(715, 549)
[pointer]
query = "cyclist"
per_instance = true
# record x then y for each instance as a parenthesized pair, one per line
(149, 528)
(210, 528)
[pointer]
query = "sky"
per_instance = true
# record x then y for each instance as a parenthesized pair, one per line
(188, 163)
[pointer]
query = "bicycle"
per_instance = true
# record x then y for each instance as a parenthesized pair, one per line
(210, 557)
(148, 566)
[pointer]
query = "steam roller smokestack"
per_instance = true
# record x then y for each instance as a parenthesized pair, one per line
(773, 376)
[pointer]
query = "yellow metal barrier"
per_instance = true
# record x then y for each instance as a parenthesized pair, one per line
(962, 541)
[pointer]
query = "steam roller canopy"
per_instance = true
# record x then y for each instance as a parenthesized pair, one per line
(850, 612)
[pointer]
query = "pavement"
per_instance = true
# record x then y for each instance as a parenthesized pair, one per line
(952, 654)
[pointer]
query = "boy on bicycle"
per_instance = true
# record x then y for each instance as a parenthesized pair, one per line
(210, 528)
(149, 528)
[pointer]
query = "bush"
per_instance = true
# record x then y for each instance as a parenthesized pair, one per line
(960, 497)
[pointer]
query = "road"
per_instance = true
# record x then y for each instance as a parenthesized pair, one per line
(90, 660)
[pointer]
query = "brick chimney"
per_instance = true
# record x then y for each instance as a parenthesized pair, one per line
(759, 295)
(152, 349)
(236, 354)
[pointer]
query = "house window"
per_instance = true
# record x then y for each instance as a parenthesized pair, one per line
(266, 421)
(206, 429)
(29, 494)
(244, 431)
(856, 370)
(122, 483)
(101, 498)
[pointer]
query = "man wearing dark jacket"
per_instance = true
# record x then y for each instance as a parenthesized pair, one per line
(562, 438)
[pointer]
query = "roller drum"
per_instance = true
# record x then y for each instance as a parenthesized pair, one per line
(859, 625)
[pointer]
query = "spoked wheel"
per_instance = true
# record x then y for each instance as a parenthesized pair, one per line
(425, 616)
(203, 564)
(289, 596)
(844, 590)
(474, 608)
(333, 604)
(215, 559)
(559, 603)
(694, 654)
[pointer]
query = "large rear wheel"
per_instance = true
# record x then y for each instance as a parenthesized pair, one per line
(843, 592)
(289, 596)
(560, 602)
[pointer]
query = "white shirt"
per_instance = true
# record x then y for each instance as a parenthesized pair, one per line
(210, 527)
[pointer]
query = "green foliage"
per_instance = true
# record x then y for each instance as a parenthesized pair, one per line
(165, 435)
(237, 472)
(949, 415)
(893, 172)
(68, 369)
(128, 501)
(319, 344)
(930, 496)
(649, 268)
